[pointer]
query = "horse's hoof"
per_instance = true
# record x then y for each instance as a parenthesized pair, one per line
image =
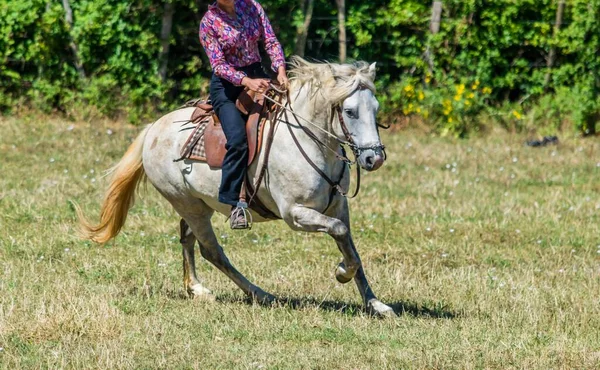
(376, 308)
(341, 275)
(197, 291)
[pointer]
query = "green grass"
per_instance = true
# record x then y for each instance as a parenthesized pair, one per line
(488, 250)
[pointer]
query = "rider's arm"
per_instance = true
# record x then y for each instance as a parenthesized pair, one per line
(215, 55)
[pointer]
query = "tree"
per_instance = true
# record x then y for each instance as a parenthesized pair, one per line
(341, 6)
(165, 39)
(72, 44)
(302, 31)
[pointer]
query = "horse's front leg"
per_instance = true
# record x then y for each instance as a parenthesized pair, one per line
(308, 219)
(339, 228)
(370, 300)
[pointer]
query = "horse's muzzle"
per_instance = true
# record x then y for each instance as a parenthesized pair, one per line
(371, 159)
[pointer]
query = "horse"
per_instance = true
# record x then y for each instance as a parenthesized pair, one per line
(303, 182)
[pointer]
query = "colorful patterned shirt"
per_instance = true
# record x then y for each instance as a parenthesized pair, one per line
(233, 42)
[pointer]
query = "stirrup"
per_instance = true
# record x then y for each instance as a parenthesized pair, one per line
(240, 217)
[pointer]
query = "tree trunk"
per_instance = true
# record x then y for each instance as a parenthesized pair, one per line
(165, 37)
(552, 55)
(434, 27)
(72, 44)
(341, 5)
(436, 16)
(302, 32)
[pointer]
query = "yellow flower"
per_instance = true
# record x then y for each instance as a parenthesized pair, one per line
(457, 97)
(418, 110)
(447, 103)
(421, 95)
(486, 90)
(471, 96)
(475, 85)
(467, 102)
(426, 114)
(449, 119)
(516, 114)
(408, 88)
(427, 79)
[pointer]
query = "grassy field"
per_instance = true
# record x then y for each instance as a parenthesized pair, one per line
(489, 251)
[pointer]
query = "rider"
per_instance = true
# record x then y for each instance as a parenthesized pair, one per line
(229, 32)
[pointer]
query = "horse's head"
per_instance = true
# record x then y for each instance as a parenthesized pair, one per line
(357, 115)
(350, 90)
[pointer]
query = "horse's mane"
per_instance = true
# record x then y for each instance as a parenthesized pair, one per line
(335, 82)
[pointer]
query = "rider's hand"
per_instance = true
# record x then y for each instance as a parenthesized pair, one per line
(282, 78)
(258, 85)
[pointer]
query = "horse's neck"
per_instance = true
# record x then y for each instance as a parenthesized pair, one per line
(319, 115)
(301, 165)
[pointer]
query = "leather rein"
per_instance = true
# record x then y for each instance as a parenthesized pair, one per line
(356, 150)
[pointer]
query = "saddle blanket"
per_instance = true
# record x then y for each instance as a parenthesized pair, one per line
(194, 146)
(207, 141)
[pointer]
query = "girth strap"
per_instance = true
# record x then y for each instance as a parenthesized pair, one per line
(256, 205)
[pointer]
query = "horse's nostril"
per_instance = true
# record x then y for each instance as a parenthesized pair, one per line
(369, 160)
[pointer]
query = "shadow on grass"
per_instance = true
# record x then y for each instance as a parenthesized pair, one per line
(435, 310)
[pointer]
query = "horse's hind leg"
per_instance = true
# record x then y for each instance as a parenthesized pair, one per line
(213, 252)
(190, 281)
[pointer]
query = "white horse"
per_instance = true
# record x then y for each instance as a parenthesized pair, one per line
(330, 96)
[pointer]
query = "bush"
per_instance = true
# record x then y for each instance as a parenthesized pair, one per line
(575, 107)
(504, 45)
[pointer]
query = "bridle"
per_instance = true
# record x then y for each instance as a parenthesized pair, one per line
(356, 150)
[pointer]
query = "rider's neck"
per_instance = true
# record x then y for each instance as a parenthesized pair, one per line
(228, 6)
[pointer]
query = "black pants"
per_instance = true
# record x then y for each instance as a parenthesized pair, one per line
(223, 95)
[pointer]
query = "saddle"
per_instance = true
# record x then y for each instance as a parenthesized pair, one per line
(214, 138)
(207, 141)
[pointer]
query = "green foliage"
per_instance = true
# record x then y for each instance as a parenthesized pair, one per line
(452, 108)
(505, 45)
(502, 44)
(575, 107)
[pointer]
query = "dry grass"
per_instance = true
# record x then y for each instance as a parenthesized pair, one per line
(488, 250)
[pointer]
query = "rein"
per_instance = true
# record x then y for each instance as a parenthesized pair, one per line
(334, 185)
(356, 150)
(343, 158)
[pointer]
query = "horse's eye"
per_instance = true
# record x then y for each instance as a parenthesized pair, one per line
(351, 113)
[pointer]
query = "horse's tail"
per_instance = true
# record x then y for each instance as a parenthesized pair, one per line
(120, 196)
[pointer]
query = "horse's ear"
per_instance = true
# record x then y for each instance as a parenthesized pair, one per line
(372, 69)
